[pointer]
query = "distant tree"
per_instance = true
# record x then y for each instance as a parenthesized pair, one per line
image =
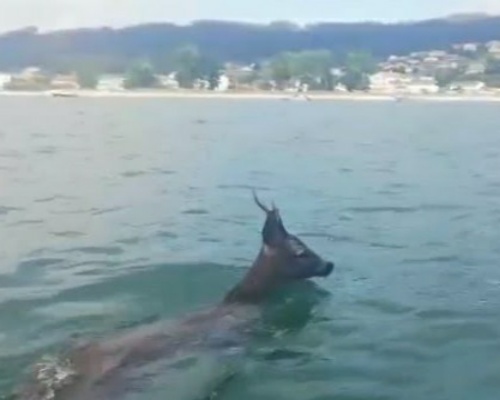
(314, 68)
(358, 66)
(446, 77)
(492, 80)
(191, 65)
(140, 75)
(210, 70)
(492, 66)
(354, 80)
(361, 61)
(309, 67)
(87, 78)
(186, 60)
(280, 69)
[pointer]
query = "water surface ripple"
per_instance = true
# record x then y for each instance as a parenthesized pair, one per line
(117, 212)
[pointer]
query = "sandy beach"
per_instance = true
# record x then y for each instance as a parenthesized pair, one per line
(282, 96)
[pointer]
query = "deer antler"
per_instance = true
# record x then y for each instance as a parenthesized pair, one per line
(259, 203)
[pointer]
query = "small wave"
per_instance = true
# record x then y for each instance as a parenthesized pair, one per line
(7, 210)
(11, 154)
(388, 192)
(130, 157)
(386, 307)
(432, 260)
(166, 235)
(388, 170)
(233, 221)
(209, 240)
(435, 244)
(447, 332)
(398, 352)
(39, 135)
(163, 171)
(328, 236)
(39, 263)
(441, 207)
(461, 217)
(399, 185)
(246, 187)
(28, 222)
(130, 241)
(342, 330)
(195, 211)
(96, 211)
(441, 314)
(68, 234)
(260, 173)
(104, 250)
(133, 174)
(54, 198)
(47, 150)
(387, 246)
(382, 209)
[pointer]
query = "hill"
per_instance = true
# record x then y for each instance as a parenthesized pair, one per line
(113, 49)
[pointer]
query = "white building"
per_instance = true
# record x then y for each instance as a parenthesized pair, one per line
(494, 47)
(341, 88)
(169, 81)
(468, 47)
(470, 87)
(394, 82)
(476, 68)
(110, 83)
(388, 82)
(4, 79)
(422, 85)
(224, 83)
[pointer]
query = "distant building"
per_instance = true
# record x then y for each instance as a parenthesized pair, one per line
(388, 82)
(111, 83)
(467, 47)
(475, 68)
(431, 60)
(240, 76)
(470, 87)
(31, 73)
(494, 48)
(4, 79)
(337, 72)
(224, 83)
(30, 79)
(419, 54)
(341, 88)
(169, 81)
(438, 54)
(201, 84)
(65, 82)
(422, 85)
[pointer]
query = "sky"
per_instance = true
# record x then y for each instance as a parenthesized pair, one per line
(61, 14)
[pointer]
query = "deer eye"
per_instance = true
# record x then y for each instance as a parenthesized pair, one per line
(300, 253)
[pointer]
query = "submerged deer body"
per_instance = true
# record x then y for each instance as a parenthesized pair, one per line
(104, 370)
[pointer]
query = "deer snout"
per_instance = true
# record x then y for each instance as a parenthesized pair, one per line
(326, 269)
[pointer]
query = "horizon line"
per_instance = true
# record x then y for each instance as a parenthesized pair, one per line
(456, 17)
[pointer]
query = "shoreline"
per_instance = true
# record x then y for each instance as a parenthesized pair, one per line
(282, 96)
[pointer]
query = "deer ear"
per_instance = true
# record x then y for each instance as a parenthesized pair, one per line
(273, 233)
